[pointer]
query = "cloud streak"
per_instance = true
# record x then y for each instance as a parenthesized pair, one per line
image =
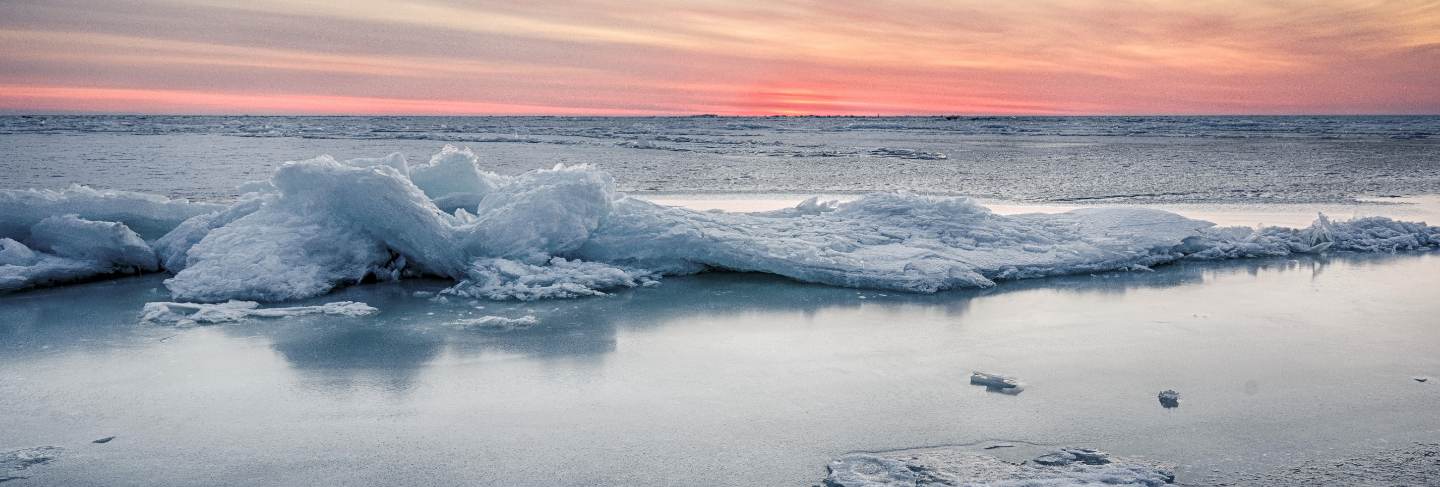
(702, 56)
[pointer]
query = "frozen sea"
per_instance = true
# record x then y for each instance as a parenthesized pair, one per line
(744, 378)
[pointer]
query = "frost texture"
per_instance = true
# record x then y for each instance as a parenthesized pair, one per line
(185, 314)
(959, 467)
(566, 232)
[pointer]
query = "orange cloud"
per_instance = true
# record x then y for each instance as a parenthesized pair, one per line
(710, 56)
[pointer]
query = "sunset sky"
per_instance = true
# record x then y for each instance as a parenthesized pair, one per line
(635, 57)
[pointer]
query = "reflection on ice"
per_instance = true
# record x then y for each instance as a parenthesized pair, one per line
(678, 374)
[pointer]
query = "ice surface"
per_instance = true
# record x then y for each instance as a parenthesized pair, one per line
(452, 177)
(956, 466)
(12, 463)
(232, 311)
(1120, 159)
(67, 248)
(566, 232)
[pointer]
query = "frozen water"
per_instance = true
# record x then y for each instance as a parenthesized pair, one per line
(497, 323)
(658, 386)
(150, 216)
(1110, 159)
(959, 466)
(71, 237)
(13, 463)
(566, 232)
(232, 311)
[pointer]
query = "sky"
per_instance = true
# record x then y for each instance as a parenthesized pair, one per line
(773, 57)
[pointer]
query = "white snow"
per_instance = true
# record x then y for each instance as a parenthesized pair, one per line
(185, 314)
(566, 232)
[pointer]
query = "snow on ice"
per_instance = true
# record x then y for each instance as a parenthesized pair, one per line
(565, 232)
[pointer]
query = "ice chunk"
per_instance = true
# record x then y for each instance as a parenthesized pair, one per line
(540, 214)
(232, 311)
(993, 380)
(174, 247)
(497, 323)
(394, 160)
(67, 248)
(104, 242)
(15, 253)
(502, 279)
(149, 216)
(331, 224)
(1067, 456)
(908, 154)
(1169, 399)
(453, 178)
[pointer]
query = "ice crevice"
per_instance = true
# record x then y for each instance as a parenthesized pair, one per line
(566, 232)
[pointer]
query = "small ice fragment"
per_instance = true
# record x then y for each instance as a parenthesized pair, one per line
(1169, 398)
(999, 445)
(497, 323)
(1066, 456)
(1055, 458)
(423, 294)
(994, 381)
(189, 314)
(104, 440)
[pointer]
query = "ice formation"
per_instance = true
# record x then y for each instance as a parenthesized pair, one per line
(14, 462)
(232, 311)
(497, 323)
(565, 232)
(959, 466)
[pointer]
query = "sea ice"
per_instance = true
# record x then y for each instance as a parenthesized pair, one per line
(107, 242)
(566, 232)
(497, 323)
(14, 461)
(185, 314)
(958, 466)
(150, 216)
(994, 381)
(1169, 399)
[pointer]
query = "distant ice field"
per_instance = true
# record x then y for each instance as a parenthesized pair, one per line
(1029, 159)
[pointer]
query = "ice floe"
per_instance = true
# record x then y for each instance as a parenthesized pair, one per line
(565, 232)
(231, 311)
(497, 323)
